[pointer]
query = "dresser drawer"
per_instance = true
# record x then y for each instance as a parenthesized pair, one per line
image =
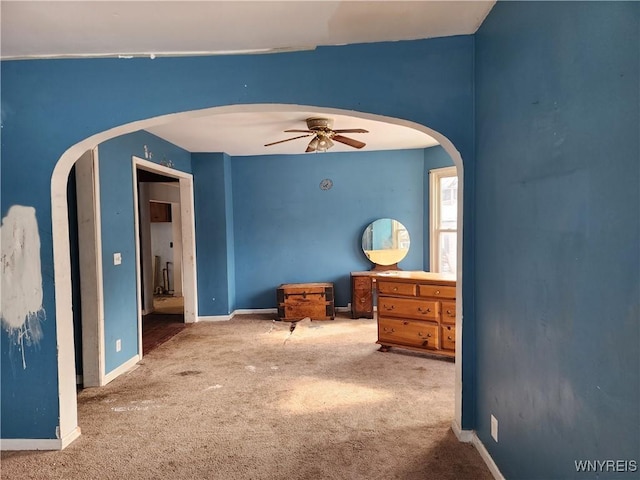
(448, 337)
(436, 291)
(408, 332)
(408, 308)
(448, 310)
(362, 303)
(361, 296)
(361, 283)
(397, 288)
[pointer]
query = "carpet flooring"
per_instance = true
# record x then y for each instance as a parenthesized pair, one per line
(248, 399)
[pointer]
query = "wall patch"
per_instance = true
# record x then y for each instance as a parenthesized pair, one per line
(21, 302)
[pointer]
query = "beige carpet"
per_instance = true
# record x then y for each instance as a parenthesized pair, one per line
(168, 304)
(245, 400)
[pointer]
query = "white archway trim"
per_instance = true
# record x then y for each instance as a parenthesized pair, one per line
(68, 427)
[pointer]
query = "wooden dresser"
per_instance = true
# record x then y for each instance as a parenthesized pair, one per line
(362, 294)
(300, 300)
(417, 311)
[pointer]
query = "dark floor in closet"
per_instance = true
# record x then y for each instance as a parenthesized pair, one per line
(157, 328)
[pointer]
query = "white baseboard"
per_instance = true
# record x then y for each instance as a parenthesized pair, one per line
(70, 437)
(242, 311)
(463, 436)
(128, 365)
(470, 436)
(39, 443)
(250, 311)
(493, 468)
(30, 444)
(215, 318)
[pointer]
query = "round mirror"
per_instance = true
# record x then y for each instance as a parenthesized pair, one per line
(385, 242)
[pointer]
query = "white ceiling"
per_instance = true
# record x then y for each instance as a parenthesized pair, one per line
(41, 29)
(246, 133)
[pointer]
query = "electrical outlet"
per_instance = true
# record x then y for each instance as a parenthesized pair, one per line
(118, 345)
(117, 258)
(494, 428)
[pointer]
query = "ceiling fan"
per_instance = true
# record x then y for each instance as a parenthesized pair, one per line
(324, 135)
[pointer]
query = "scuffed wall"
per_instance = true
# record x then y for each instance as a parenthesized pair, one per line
(21, 307)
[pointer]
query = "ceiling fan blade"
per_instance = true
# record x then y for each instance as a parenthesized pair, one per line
(287, 140)
(348, 141)
(301, 131)
(352, 130)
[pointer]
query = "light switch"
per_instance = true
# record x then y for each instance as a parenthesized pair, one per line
(117, 258)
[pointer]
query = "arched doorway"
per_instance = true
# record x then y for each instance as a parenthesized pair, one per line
(66, 365)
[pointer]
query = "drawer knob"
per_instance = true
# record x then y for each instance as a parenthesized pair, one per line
(449, 337)
(423, 311)
(437, 292)
(362, 300)
(389, 307)
(420, 334)
(395, 289)
(389, 330)
(448, 312)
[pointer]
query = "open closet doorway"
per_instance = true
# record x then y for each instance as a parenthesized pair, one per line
(160, 194)
(166, 251)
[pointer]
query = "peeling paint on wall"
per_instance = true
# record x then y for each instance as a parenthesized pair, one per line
(21, 299)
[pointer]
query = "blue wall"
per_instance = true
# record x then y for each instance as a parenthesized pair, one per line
(46, 110)
(263, 220)
(118, 235)
(288, 230)
(557, 236)
(214, 233)
(554, 223)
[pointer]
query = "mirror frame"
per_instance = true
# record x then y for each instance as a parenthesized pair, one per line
(401, 252)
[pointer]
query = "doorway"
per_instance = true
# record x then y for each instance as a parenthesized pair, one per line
(165, 244)
(160, 237)
(66, 369)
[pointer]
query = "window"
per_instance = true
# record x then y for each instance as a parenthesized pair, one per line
(443, 185)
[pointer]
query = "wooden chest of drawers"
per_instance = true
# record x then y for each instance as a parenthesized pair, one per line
(362, 294)
(300, 300)
(417, 310)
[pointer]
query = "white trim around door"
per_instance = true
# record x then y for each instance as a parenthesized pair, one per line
(187, 228)
(91, 280)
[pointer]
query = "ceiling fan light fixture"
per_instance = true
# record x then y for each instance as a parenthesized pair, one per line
(324, 143)
(313, 145)
(323, 135)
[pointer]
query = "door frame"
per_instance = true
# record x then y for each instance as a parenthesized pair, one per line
(90, 262)
(187, 231)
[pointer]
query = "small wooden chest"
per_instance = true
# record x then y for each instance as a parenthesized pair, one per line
(300, 300)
